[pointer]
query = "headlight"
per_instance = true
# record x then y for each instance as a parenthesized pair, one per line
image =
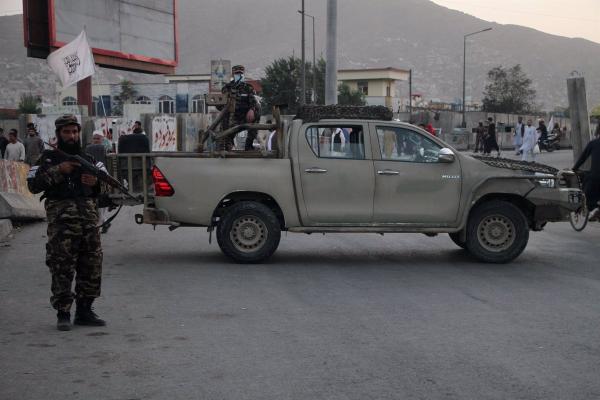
(545, 182)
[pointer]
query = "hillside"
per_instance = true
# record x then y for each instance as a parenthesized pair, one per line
(415, 34)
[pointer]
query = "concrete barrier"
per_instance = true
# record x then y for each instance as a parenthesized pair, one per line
(16, 201)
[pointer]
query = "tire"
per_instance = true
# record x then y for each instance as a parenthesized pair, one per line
(550, 148)
(455, 236)
(579, 219)
(497, 232)
(249, 232)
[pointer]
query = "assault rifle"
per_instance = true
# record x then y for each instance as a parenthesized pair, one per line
(91, 169)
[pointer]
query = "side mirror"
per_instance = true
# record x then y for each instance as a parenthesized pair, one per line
(446, 156)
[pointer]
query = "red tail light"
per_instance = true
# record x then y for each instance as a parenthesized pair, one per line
(162, 187)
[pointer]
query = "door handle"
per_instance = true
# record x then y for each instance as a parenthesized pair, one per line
(315, 170)
(388, 172)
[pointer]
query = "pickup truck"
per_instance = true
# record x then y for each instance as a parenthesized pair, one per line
(352, 176)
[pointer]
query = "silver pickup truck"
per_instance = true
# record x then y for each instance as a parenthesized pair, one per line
(353, 176)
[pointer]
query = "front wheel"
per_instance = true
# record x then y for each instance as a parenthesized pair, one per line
(249, 232)
(497, 232)
(579, 218)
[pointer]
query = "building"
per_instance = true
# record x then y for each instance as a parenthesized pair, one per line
(185, 93)
(381, 86)
(178, 94)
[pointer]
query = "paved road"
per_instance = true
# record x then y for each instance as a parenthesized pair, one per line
(329, 317)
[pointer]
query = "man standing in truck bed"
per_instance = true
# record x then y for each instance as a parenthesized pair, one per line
(246, 108)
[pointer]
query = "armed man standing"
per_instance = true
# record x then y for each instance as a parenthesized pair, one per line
(73, 248)
(245, 107)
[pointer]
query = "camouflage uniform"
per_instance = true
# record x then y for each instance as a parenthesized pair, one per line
(245, 100)
(73, 248)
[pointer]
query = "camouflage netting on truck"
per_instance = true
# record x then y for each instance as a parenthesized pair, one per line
(317, 113)
(517, 165)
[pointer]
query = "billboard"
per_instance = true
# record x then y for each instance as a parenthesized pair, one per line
(220, 75)
(135, 35)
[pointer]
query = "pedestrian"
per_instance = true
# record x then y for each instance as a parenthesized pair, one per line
(15, 151)
(137, 142)
(518, 135)
(529, 142)
(34, 145)
(271, 139)
(247, 108)
(137, 126)
(429, 128)
(591, 183)
(97, 149)
(555, 130)
(3, 143)
(74, 249)
(543, 135)
(480, 132)
(489, 141)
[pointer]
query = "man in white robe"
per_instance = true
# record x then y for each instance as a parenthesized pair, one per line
(529, 142)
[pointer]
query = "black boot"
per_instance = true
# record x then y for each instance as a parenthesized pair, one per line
(84, 314)
(63, 321)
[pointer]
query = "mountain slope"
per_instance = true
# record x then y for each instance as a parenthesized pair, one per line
(415, 34)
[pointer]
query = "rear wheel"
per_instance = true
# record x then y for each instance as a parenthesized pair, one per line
(248, 232)
(497, 232)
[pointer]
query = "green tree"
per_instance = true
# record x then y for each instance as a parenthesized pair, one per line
(282, 83)
(349, 97)
(125, 96)
(595, 114)
(29, 104)
(508, 91)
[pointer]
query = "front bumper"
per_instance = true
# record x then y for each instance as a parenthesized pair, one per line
(555, 204)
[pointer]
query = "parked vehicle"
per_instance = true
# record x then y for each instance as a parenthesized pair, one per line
(352, 176)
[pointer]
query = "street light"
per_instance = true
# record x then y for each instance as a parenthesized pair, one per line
(464, 122)
(303, 99)
(314, 77)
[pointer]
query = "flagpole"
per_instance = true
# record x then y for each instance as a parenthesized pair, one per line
(102, 102)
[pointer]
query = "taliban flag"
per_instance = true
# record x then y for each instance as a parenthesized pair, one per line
(74, 61)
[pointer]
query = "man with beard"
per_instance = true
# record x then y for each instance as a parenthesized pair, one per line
(73, 248)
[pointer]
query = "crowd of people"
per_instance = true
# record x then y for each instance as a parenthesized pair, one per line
(28, 150)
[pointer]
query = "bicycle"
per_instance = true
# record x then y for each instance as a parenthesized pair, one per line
(579, 218)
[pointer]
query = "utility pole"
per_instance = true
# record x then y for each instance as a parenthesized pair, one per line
(331, 54)
(464, 106)
(580, 118)
(303, 97)
(410, 96)
(314, 62)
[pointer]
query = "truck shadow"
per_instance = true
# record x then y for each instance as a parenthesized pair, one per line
(389, 259)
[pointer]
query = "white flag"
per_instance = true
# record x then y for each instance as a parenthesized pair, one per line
(74, 61)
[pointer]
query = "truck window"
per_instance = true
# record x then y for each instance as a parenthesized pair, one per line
(337, 141)
(401, 144)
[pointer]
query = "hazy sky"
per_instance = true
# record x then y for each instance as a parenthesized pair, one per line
(572, 18)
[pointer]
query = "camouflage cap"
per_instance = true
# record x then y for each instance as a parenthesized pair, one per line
(65, 120)
(238, 68)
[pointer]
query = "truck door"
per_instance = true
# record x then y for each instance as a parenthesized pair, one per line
(336, 173)
(412, 185)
